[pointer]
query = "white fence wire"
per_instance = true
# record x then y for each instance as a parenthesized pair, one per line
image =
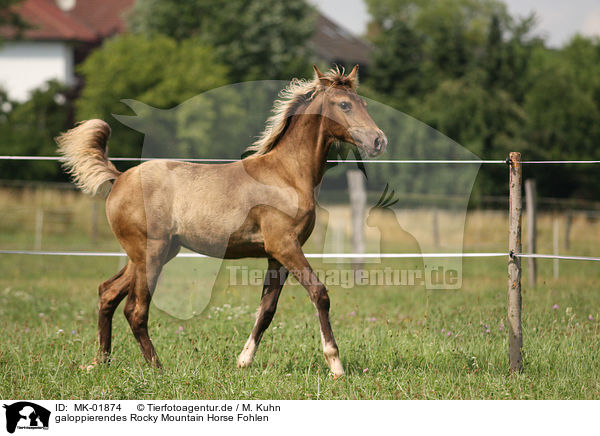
(318, 255)
(375, 161)
(323, 255)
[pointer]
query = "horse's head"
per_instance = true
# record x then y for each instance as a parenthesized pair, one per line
(345, 113)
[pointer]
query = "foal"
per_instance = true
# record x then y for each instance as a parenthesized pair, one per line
(261, 206)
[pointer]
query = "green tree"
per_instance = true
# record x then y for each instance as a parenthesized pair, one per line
(265, 39)
(158, 71)
(10, 20)
(452, 31)
(507, 54)
(29, 129)
(398, 62)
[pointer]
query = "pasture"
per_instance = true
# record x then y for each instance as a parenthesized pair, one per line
(395, 342)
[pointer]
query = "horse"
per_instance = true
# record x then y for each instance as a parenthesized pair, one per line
(261, 206)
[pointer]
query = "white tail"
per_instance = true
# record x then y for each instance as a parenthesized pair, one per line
(85, 157)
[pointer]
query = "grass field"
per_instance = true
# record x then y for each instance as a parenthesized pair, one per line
(396, 342)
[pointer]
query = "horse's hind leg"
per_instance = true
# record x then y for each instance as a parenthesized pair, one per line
(137, 306)
(274, 281)
(110, 294)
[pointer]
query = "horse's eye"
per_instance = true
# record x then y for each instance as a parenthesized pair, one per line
(345, 106)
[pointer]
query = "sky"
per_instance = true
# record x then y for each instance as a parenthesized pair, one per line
(558, 20)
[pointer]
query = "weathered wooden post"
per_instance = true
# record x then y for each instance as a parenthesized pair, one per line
(555, 246)
(568, 229)
(515, 331)
(358, 205)
(436, 228)
(39, 229)
(530, 204)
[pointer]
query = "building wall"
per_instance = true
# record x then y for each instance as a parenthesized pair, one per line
(26, 65)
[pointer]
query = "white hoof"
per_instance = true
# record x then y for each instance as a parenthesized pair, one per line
(244, 360)
(332, 358)
(247, 355)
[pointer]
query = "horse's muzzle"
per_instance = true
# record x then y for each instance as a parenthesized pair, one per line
(372, 141)
(380, 143)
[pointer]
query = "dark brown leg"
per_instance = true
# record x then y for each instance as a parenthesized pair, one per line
(291, 256)
(111, 293)
(276, 276)
(137, 306)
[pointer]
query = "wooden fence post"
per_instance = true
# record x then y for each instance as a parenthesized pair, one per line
(555, 245)
(358, 207)
(568, 230)
(39, 229)
(436, 228)
(515, 331)
(530, 202)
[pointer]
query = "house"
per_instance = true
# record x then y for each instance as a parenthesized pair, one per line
(333, 44)
(63, 32)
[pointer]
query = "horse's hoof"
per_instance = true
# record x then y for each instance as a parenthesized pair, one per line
(335, 376)
(245, 358)
(243, 363)
(88, 368)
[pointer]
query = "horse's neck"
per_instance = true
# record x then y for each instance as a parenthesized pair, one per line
(303, 150)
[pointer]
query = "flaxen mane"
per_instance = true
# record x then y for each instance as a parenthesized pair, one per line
(297, 94)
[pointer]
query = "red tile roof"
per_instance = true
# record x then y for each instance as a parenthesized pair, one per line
(89, 20)
(94, 20)
(104, 16)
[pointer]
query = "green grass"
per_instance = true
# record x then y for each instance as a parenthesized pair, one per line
(48, 321)
(416, 344)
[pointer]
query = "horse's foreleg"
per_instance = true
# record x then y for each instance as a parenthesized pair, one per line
(290, 254)
(110, 294)
(274, 281)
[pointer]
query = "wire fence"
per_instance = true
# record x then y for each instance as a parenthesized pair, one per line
(325, 255)
(514, 163)
(373, 161)
(322, 255)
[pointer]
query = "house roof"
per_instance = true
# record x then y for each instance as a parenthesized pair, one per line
(332, 43)
(105, 16)
(93, 20)
(87, 21)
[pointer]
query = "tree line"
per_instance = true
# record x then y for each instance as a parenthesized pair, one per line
(468, 69)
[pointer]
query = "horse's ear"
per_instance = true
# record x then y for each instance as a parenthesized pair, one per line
(353, 76)
(320, 76)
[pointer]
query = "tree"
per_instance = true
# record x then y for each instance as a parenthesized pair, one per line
(265, 39)
(398, 63)
(563, 108)
(158, 71)
(420, 44)
(10, 20)
(29, 129)
(507, 54)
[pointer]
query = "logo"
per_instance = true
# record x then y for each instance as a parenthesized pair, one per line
(26, 415)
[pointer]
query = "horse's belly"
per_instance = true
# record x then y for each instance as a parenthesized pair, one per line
(221, 237)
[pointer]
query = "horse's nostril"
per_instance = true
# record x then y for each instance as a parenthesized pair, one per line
(377, 144)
